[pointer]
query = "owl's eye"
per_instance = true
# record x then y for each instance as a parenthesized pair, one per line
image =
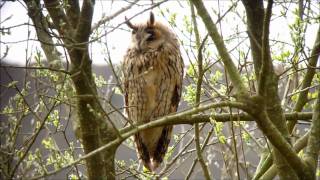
(152, 35)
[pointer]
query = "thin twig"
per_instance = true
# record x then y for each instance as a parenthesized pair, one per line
(110, 17)
(38, 68)
(198, 95)
(35, 135)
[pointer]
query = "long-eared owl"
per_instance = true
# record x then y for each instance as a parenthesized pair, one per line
(153, 75)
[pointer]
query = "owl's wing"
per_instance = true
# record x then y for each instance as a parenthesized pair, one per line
(178, 86)
(126, 95)
(177, 68)
(164, 139)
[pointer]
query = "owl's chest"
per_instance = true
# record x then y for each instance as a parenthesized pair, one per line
(143, 80)
(144, 65)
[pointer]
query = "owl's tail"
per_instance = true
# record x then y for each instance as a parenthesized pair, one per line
(152, 159)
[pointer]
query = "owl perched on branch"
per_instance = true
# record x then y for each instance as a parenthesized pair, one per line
(153, 74)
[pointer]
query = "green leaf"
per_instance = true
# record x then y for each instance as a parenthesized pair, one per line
(222, 139)
(190, 94)
(169, 153)
(47, 143)
(246, 137)
(13, 83)
(215, 77)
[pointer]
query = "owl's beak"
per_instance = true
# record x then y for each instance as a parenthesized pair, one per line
(139, 46)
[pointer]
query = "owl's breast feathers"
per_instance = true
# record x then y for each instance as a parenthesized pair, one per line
(152, 85)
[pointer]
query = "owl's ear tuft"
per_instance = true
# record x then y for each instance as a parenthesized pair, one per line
(151, 19)
(130, 25)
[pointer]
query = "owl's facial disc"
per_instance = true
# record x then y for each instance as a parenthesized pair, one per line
(145, 38)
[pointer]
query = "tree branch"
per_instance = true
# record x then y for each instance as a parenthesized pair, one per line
(302, 98)
(39, 68)
(73, 12)
(110, 17)
(94, 130)
(198, 95)
(58, 16)
(83, 30)
(266, 58)
(258, 31)
(276, 138)
(225, 117)
(218, 41)
(129, 131)
(268, 172)
(313, 147)
(42, 30)
(37, 131)
(185, 117)
(195, 160)
(255, 14)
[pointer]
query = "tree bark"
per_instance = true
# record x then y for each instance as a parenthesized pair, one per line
(255, 19)
(74, 29)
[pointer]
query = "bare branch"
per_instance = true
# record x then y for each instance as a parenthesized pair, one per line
(186, 117)
(302, 99)
(217, 39)
(110, 17)
(204, 167)
(266, 58)
(129, 131)
(313, 147)
(267, 172)
(276, 138)
(84, 25)
(40, 68)
(255, 14)
(42, 30)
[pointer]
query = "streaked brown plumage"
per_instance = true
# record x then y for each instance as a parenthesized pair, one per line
(153, 73)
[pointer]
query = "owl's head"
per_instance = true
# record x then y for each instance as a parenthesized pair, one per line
(150, 35)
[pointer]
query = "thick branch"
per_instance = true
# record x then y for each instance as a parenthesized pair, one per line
(58, 16)
(73, 12)
(42, 30)
(258, 30)
(266, 58)
(186, 117)
(225, 117)
(266, 88)
(84, 26)
(314, 141)
(255, 14)
(303, 96)
(129, 131)
(94, 130)
(268, 172)
(276, 138)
